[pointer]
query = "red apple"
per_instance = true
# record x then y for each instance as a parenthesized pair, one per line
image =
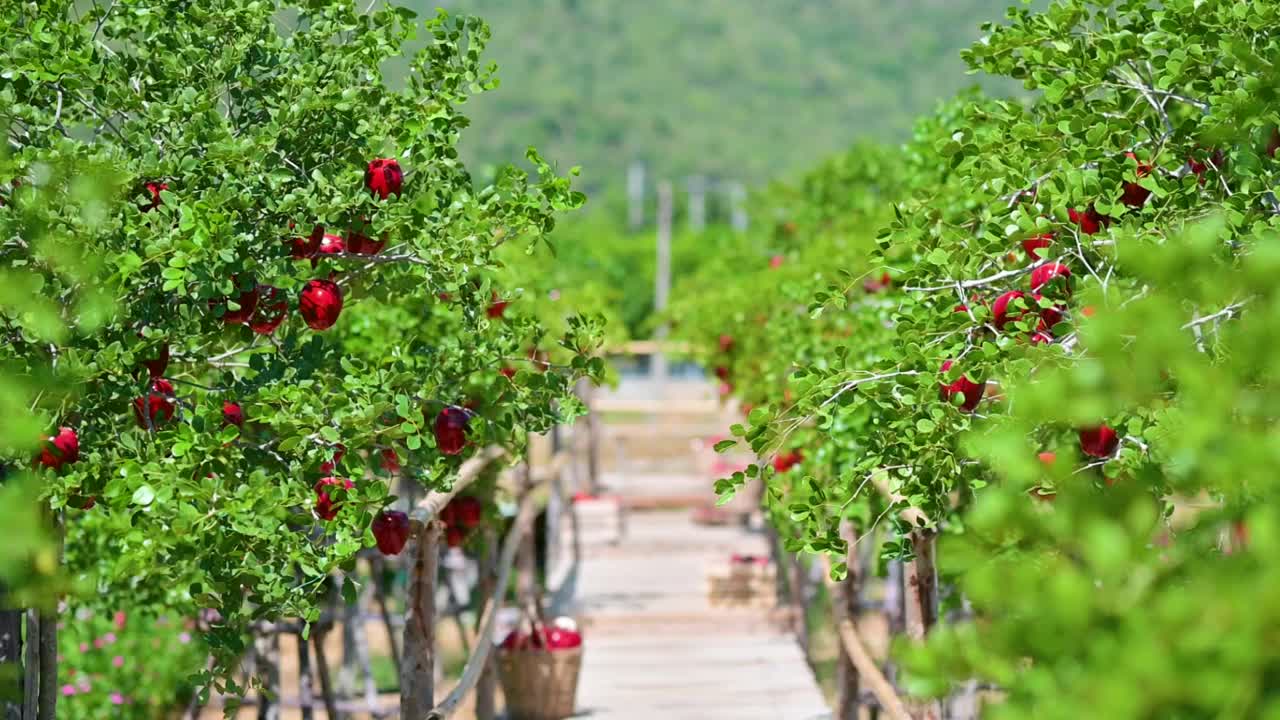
(722, 372)
(726, 343)
(158, 364)
(326, 508)
(339, 452)
(562, 639)
(784, 461)
(1088, 221)
(1032, 245)
(451, 430)
(329, 245)
(363, 244)
(320, 304)
(384, 177)
(1099, 442)
(1048, 458)
(1045, 274)
(248, 302)
(971, 391)
(453, 536)
(775, 261)
(390, 460)
(232, 414)
(302, 248)
(153, 192)
(1134, 195)
(1273, 144)
(507, 372)
(469, 512)
(157, 407)
(271, 311)
(1000, 309)
(64, 449)
(497, 307)
(391, 530)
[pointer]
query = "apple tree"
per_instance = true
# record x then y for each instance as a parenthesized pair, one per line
(281, 292)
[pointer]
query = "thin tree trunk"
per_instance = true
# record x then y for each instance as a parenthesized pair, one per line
(305, 696)
(845, 606)
(47, 709)
(417, 671)
(326, 686)
(486, 705)
(922, 604)
(11, 662)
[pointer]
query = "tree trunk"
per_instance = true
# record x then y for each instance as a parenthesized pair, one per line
(922, 604)
(417, 667)
(486, 705)
(845, 605)
(10, 663)
(48, 705)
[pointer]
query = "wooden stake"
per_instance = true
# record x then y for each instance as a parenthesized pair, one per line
(11, 662)
(845, 603)
(486, 704)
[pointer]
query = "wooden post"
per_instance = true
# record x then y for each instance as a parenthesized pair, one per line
(31, 669)
(738, 206)
(322, 669)
(417, 669)
(47, 708)
(11, 662)
(635, 195)
(486, 706)
(526, 558)
(798, 606)
(697, 203)
(267, 654)
(845, 606)
(662, 283)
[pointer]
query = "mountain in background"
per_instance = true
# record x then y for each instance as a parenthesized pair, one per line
(732, 89)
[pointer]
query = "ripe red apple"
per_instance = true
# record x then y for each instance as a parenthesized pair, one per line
(391, 530)
(339, 452)
(562, 639)
(970, 390)
(272, 308)
(784, 461)
(497, 307)
(1088, 221)
(469, 511)
(507, 372)
(1134, 195)
(248, 302)
(874, 285)
(153, 191)
(390, 460)
(453, 536)
(63, 449)
(384, 178)
(1216, 160)
(158, 364)
(1048, 458)
(451, 430)
(329, 245)
(82, 502)
(302, 248)
(775, 261)
(1273, 144)
(363, 244)
(1000, 309)
(1047, 273)
(726, 389)
(326, 508)
(1032, 245)
(722, 372)
(1099, 442)
(320, 304)
(157, 407)
(232, 414)
(726, 343)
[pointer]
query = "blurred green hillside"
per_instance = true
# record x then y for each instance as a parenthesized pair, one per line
(745, 89)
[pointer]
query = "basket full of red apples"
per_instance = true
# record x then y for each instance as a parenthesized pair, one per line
(538, 665)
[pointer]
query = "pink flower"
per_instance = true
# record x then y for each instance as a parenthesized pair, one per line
(84, 647)
(117, 698)
(99, 642)
(118, 661)
(119, 619)
(84, 684)
(68, 690)
(184, 638)
(110, 638)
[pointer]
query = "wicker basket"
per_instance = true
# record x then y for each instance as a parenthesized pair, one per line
(540, 684)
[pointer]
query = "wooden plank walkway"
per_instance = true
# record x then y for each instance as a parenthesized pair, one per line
(655, 647)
